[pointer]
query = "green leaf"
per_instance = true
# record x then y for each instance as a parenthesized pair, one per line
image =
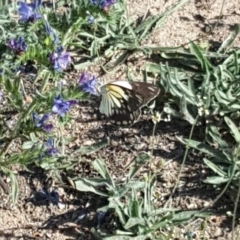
(138, 162)
(93, 148)
(233, 128)
(142, 158)
(14, 184)
(214, 167)
(101, 168)
(223, 99)
(118, 210)
(214, 133)
(135, 185)
(205, 64)
(184, 110)
(204, 148)
(27, 145)
(124, 237)
(187, 215)
(15, 188)
(216, 180)
(160, 211)
(164, 222)
(134, 221)
(152, 68)
(97, 182)
(228, 42)
(134, 208)
(82, 186)
(146, 26)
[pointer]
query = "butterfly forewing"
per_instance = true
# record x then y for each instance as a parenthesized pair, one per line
(122, 101)
(146, 90)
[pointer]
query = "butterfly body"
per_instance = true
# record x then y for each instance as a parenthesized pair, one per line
(122, 100)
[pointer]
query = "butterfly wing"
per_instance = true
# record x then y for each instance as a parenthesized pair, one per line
(127, 118)
(122, 101)
(147, 91)
(119, 97)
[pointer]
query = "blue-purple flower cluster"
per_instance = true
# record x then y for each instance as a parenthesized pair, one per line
(88, 84)
(59, 58)
(29, 12)
(61, 107)
(18, 45)
(50, 31)
(51, 149)
(103, 3)
(41, 122)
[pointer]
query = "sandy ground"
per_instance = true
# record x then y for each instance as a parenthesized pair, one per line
(204, 21)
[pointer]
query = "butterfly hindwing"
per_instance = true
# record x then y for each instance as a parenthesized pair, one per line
(125, 118)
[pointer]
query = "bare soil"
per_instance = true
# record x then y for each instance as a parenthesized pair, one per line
(203, 21)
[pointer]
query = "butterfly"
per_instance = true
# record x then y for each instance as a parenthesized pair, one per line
(122, 100)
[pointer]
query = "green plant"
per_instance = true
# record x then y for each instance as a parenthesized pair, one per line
(137, 215)
(224, 158)
(204, 83)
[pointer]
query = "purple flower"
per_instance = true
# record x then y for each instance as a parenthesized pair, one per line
(103, 3)
(18, 45)
(51, 32)
(51, 150)
(88, 84)
(47, 127)
(41, 122)
(61, 107)
(60, 60)
(28, 12)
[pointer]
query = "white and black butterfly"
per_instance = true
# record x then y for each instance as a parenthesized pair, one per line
(122, 100)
